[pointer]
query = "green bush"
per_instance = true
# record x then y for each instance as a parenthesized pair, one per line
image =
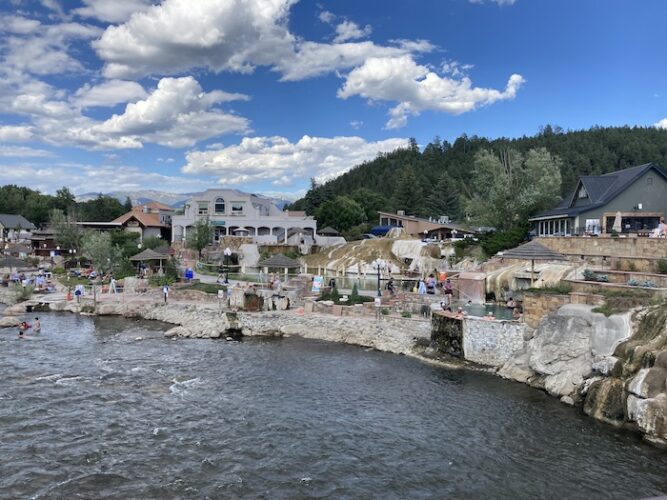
(406, 314)
(632, 267)
(661, 266)
(87, 309)
(354, 296)
(493, 243)
(58, 270)
(559, 289)
(22, 293)
(384, 311)
(334, 295)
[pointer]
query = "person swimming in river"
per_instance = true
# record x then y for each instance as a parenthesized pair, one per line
(37, 325)
(23, 326)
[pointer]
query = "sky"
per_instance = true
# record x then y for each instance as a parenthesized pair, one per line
(263, 95)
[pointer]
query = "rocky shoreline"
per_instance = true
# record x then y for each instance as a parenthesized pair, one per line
(573, 356)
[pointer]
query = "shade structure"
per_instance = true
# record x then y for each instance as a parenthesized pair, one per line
(328, 231)
(12, 262)
(149, 254)
(281, 261)
(532, 251)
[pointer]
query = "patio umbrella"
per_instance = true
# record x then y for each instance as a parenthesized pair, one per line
(532, 251)
(617, 223)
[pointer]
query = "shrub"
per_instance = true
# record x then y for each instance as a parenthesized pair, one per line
(661, 266)
(58, 270)
(502, 240)
(589, 275)
(632, 266)
(406, 314)
(633, 282)
(614, 233)
(602, 278)
(22, 293)
(87, 309)
(354, 296)
(334, 295)
(649, 284)
(384, 311)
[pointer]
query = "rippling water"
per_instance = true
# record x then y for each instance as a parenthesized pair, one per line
(87, 411)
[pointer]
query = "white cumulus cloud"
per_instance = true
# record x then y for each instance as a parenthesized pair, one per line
(281, 162)
(661, 124)
(417, 88)
(108, 93)
(177, 113)
(111, 11)
(236, 35)
(348, 30)
(15, 133)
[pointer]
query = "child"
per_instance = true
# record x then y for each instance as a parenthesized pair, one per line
(37, 326)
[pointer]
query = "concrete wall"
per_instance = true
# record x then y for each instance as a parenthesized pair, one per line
(492, 343)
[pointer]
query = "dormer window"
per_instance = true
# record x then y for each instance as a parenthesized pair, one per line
(219, 206)
(582, 192)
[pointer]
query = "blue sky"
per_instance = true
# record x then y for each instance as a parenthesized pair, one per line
(262, 95)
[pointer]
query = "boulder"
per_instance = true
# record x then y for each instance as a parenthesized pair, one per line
(652, 418)
(648, 383)
(177, 331)
(9, 321)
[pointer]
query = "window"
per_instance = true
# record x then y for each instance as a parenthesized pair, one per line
(237, 208)
(582, 192)
(649, 181)
(219, 206)
(203, 208)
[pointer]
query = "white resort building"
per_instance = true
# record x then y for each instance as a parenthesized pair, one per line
(234, 213)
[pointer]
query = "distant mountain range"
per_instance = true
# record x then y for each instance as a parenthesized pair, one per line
(176, 200)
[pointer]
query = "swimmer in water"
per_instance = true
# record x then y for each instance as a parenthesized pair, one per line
(37, 326)
(22, 328)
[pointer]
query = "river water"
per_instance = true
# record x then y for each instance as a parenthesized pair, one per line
(88, 411)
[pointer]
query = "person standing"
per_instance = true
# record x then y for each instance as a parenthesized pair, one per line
(37, 325)
(165, 292)
(112, 286)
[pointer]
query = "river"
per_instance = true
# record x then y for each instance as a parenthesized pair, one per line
(88, 411)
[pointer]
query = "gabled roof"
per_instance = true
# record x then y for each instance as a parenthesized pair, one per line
(10, 221)
(146, 220)
(601, 189)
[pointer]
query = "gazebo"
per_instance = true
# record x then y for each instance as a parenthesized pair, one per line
(328, 231)
(532, 251)
(148, 255)
(279, 261)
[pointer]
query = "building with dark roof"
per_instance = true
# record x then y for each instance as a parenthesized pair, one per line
(12, 225)
(636, 195)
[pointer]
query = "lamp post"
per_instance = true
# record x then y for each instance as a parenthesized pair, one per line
(227, 252)
(379, 265)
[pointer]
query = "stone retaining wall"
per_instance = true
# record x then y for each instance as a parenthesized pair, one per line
(538, 305)
(492, 343)
(646, 248)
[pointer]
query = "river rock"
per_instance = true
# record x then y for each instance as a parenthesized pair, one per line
(177, 331)
(9, 321)
(16, 309)
(648, 383)
(570, 342)
(651, 417)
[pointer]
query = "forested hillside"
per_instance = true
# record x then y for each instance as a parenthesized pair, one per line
(441, 178)
(37, 207)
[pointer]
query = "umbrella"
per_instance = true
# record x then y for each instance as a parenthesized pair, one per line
(532, 251)
(617, 223)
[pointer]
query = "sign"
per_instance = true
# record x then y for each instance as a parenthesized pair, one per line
(218, 222)
(318, 281)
